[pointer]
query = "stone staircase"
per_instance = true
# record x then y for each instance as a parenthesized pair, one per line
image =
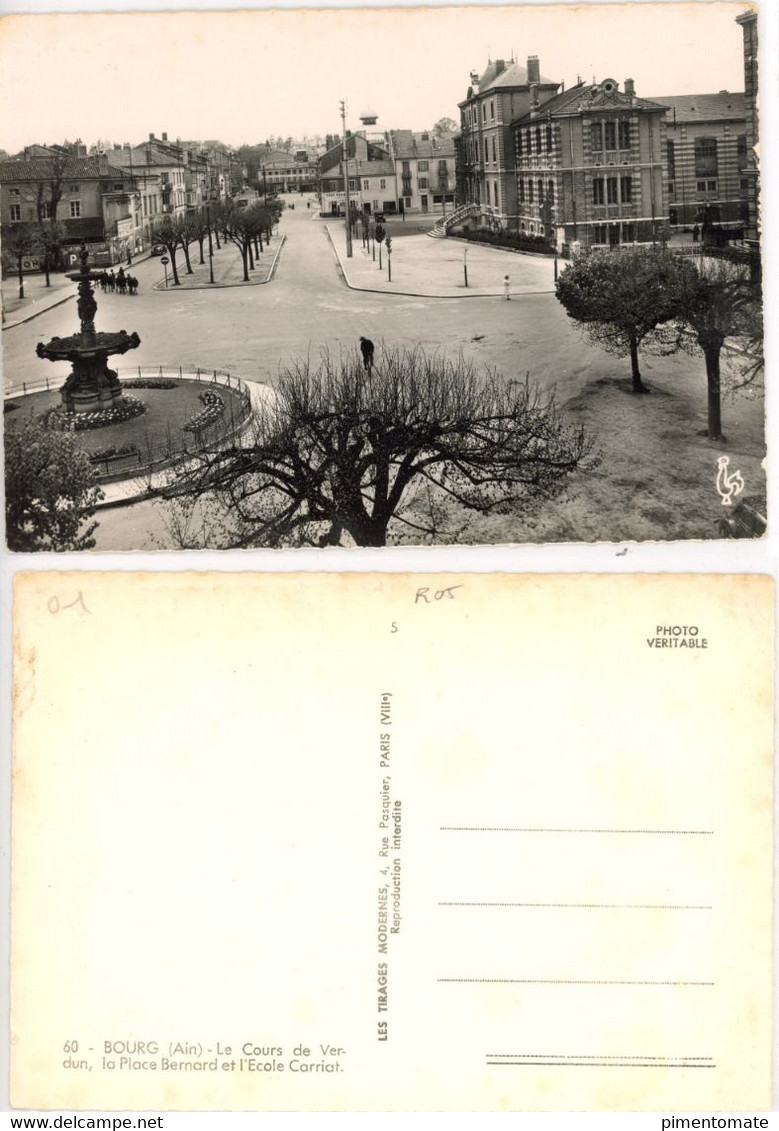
(444, 224)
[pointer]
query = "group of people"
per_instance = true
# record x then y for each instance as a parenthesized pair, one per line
(121, 282)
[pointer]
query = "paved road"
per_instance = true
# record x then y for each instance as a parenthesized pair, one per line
(252, 331)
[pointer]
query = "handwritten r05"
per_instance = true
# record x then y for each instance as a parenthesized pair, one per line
(428, 596)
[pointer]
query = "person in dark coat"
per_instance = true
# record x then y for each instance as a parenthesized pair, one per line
(366, 349)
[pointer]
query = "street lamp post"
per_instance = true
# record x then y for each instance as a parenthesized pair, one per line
(346, 182)
(210, 246)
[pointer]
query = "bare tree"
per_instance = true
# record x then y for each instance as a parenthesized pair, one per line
(19, 242)
(338, 450)
(166, 232)
(48, 195)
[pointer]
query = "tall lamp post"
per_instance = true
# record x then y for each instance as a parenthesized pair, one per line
(210, 246)
(346, 182)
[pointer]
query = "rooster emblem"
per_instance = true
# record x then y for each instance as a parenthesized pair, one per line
(728, 485)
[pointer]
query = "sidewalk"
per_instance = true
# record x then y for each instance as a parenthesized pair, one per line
(426, 267)
(39, 298)
(228, 267)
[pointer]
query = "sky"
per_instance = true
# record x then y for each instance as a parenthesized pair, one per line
(242, 75)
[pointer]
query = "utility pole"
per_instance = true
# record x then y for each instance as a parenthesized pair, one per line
(346, 182)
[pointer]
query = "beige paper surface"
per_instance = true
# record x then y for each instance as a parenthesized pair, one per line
(322, 842)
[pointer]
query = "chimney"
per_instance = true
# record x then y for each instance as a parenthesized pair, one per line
(500, 66)
(630, 88)
(151, 137)
(164, 137)
(533, 69)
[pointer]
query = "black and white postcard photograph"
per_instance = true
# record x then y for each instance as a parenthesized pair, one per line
(381, 277)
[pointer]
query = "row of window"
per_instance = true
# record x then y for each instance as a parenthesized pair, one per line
(479, 151)
(610, 233)
(541, 137)
(527, 191)
(471, 113)
(613, 133)
(706, 156)
(612, 190)
(75, 211)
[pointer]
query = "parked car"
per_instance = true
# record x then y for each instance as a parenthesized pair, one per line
(158, 249)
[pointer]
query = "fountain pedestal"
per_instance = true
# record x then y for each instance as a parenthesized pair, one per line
(91, 385)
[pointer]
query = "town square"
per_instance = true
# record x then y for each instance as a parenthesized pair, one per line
(523, 269)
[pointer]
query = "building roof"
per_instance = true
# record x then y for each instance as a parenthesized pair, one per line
(72, 168)
(721, 107)
(371, 169)
(584, 97)
(407, 143)
(511, 74)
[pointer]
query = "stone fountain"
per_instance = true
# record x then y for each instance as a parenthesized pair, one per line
(91, 385)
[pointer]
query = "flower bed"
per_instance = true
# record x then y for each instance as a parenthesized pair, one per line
(212, 410)
(61, 421)
(113, 452)
(150, 383)
(516, 241)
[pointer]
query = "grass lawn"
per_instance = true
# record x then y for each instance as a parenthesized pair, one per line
(655, 482)
(656, 479)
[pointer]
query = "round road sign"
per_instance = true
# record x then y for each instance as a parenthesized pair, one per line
(165, 259)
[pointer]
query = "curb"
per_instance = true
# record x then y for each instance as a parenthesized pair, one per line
(59, 302)
(226, 286)
(35, 314)
(422, 294)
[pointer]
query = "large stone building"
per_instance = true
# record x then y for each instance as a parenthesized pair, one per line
(424, 170)
(590, 167)
(371, 177)
(487, 174)
(164, 161)
(95, 201)
(706, 159)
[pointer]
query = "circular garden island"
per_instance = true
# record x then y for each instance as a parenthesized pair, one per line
(159, 419)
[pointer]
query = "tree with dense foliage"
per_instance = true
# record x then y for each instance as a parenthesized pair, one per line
(338, 450)
(445, 126)
(621, 297)
(50, 490)
(716, 300)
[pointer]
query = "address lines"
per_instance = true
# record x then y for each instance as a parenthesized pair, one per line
(580, 905)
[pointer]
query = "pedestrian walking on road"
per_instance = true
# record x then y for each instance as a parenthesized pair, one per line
(366, 349)
(506, 287)
(111, 281)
